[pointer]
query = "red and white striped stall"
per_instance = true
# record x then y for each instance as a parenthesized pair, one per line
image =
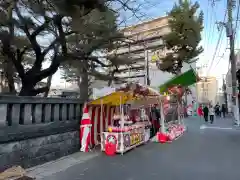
(126, 136)
(97, 126)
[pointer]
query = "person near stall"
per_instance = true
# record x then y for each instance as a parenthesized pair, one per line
(116, 119)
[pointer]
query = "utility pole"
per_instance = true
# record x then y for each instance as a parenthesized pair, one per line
(146, 79)
(230, 34)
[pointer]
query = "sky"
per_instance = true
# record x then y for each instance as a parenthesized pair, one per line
(215, 56)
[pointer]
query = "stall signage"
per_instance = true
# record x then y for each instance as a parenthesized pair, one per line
(135, 138)
(111, 139)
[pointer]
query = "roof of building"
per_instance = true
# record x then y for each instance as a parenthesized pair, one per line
(143, 23)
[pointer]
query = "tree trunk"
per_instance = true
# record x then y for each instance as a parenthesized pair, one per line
(8, 65)
(9, 74)
(26, 90)
(83, 86)
(83, 83)
(28, 85)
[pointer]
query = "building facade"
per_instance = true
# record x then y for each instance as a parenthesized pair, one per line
(207, 90)
(147, 49)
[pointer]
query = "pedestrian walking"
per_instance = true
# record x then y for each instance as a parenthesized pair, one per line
(211, 114)
(224, 110)
(217, 110)
(200, 112)
(205, 113)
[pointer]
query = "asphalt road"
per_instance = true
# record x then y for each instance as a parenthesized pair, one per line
(202, 153)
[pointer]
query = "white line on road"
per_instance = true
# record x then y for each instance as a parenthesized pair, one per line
(202, 126)
(215, 127)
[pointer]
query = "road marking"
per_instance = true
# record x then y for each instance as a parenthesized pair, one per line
(215, 127)
(203, 126)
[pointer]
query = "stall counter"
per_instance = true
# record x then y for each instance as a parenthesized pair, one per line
(127, 139)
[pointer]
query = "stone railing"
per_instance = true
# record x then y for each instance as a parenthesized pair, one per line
(34, 130)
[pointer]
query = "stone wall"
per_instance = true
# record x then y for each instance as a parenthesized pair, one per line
(36, 130)
(32, 152)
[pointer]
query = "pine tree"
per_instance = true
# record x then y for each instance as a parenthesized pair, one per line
(99, 36)
(182, 43)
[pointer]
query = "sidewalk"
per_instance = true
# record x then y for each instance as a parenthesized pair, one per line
(50, 168)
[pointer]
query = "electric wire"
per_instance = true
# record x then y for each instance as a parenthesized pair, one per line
(212, 22)
(235, 34)
(217, 46)
(206, 27)
(236, 23)
(211, 26)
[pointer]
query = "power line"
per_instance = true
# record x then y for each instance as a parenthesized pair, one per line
(218, 42)
(206, 34)
(235, 34)
(236, 23)
(211, 27)
(214, 18)
(220, 58)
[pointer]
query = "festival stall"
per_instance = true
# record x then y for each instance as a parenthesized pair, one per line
(129, 126)
(172, 125)
(174, 90)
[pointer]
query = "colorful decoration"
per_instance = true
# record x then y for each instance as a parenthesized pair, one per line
(174, 131)
(85, 129)
(162, 137)
(112, 139)
(137, 89)
(110, 129)
(135, 138)
(178, 90)
(127, 140)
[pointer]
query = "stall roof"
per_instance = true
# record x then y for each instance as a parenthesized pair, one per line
(139, 89)
(123, 96)
(185, 79)
(114, 99)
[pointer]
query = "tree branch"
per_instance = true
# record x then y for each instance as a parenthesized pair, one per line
(55, 41)
(131, 69)
(37, 91)
(96, 60)
(21, 53)
(36, 47)
(63, 42)
(40, 28)
(56, 61)
(7, 50)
